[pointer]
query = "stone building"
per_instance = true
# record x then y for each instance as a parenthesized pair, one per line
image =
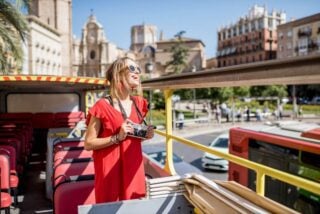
(93, 53)
(54, 15)
(153, 54)
(252, 38)
(43, 49)
(300, 37)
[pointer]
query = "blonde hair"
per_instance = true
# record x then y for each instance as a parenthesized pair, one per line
(117, 77)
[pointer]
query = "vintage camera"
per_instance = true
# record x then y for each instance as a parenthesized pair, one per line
(139, 130)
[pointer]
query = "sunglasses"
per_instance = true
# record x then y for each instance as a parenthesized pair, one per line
(134, 69)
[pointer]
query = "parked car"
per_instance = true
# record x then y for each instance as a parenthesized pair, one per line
(315, 101)
(159, 154)
(210, 161)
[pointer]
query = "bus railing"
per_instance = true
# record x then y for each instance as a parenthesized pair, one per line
(260, 169)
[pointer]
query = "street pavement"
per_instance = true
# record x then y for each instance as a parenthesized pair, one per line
(195, 129)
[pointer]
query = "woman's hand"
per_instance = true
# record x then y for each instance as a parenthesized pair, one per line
(150, 132)
(125, 128)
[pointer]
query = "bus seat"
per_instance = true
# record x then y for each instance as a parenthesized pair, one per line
(68, 115)
(75, 191)
(68, 119)
(61, 145)
(64, 170)
(16, 144)
(73, 160)
(60, 155)
(13, 178)
(6, 200)
(43, 120)
(18, 115)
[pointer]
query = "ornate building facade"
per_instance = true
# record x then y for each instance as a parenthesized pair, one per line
(93, 53)
(252, 38)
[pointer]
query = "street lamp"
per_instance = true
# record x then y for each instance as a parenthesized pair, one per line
(194, 69)
(149, 69)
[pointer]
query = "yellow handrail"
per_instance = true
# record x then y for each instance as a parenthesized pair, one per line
(169, 163)
(260, 169)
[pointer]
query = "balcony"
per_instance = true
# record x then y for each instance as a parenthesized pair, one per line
(306, 32)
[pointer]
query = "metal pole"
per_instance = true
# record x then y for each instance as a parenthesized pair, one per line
(169, 162)
(294, 102)
(194, 103)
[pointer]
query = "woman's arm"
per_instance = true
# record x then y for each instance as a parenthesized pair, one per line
(92, 142)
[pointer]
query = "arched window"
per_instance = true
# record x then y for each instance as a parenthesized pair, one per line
(92, 54)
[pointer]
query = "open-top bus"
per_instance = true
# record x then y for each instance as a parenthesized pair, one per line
(41, 128)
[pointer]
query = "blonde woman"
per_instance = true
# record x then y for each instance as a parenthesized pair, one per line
(117, 155)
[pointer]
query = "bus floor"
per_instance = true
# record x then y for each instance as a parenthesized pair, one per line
(31, 193)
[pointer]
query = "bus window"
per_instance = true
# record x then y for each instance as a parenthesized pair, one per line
(43, 102)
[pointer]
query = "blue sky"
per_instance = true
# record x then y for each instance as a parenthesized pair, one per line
(199, 18)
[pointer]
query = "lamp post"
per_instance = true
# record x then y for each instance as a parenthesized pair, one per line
(149, 69)
(194, 69)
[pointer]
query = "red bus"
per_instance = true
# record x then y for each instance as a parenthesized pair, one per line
(292, 147)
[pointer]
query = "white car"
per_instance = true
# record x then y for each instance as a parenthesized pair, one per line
(159, 154)
(210, 161)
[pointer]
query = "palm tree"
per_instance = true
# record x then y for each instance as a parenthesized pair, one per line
(13, 30)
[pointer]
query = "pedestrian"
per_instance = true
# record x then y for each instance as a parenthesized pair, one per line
(247, 111)
(180, 119)
(300, 111)
(117, 155)
(218, 114)
(280, 111)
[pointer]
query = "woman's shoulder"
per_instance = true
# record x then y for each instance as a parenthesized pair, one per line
(102, 102)
(139, 99)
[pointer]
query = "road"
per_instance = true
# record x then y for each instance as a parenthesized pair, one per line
(193, 156)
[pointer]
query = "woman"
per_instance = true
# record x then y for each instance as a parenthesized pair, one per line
(118, 161)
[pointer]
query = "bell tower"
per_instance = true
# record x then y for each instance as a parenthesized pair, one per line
(58, 15)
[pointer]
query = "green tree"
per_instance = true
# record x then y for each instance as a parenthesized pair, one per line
(179, 55)
(271, 90)
(13, 30)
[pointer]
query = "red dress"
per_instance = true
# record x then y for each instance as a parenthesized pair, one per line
(119, 170)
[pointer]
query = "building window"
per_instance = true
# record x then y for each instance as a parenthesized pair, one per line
(280, 35)
(234, 31)
(92, 54)
(281, 48)
(260, 24)
(246, 28)
(303, 46)
(253, 26)
(240, 30)
(289, 46)
(270, 23)
(289, 33)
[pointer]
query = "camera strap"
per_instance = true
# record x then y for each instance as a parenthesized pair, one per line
(123, 112)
